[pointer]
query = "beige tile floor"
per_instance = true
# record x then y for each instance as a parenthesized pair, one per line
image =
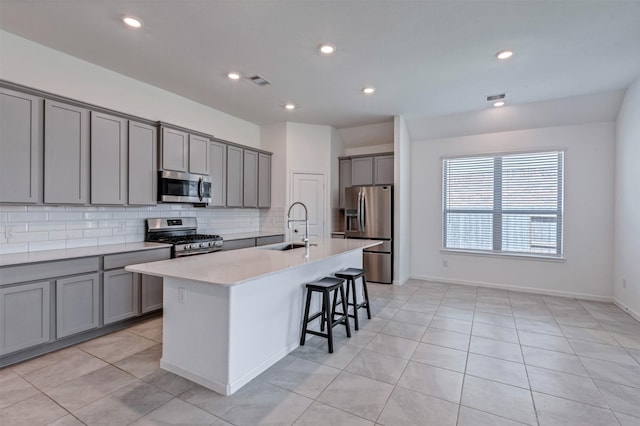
(433, 354)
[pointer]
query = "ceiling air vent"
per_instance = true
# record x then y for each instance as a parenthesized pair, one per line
(493, 98)
(259, 80)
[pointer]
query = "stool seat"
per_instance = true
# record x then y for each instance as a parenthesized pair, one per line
(325, 283)
(325, 286)
(353, 273)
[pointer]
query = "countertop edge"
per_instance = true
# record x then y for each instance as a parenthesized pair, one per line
(136, 268)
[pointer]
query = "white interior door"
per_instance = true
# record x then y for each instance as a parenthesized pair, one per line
(309, 189)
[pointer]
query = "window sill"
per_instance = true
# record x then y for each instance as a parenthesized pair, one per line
(518, 256)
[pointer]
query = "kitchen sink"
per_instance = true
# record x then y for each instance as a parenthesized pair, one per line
(288, 246)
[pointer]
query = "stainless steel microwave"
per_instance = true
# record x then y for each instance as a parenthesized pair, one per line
(177, 187)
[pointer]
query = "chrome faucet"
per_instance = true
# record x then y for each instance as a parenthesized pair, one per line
(306, 222)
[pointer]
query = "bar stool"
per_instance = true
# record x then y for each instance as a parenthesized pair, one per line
(351, 275)
(325, 286)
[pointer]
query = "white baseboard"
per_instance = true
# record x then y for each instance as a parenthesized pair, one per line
(547, 292)
(634, 314)
(401, 282)
(215, 386)
(255, 372)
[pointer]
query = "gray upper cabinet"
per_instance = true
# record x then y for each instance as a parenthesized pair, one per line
(121, 295)
(108, 159)
(66, 153)
(235, 175)
(20, 147)
(174, 147)
(361, 171)
(264, 180)
(24, 317)
(143, 179)
(383, 170)
(77, 304)
(344, 179)
(250, 179)
(218, 173)
(198, 155)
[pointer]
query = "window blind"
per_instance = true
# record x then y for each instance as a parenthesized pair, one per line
(504, 204)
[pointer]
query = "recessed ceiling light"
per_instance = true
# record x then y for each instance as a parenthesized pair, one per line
(290, 106)
(234, 75)
(368, 90)
(504, 54)
(327, 49)
(132, 22)
(498, 104)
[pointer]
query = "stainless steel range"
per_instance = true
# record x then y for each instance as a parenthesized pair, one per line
(181, 233)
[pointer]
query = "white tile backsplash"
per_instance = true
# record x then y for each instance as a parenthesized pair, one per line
(38, 228)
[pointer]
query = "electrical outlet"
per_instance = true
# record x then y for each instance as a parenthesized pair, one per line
(624, 283)
(182, 295)
(445, 263)
(9, 232)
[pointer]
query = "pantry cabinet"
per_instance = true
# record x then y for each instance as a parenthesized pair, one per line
(20, 147)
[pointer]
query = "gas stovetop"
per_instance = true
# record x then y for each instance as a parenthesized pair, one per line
(181, 233)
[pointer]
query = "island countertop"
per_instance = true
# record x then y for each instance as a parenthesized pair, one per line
(228, 268)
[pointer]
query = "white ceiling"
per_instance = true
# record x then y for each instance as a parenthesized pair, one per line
(426, 58)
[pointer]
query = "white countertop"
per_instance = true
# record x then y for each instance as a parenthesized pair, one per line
(245, 235)
(49, 255)
(236, 266)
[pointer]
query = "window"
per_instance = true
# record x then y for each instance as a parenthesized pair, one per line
(503, 204)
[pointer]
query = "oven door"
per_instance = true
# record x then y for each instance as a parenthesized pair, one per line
(177, 187)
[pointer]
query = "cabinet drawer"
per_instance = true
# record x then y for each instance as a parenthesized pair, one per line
(47, 270)
(274, 239)
(120, 260)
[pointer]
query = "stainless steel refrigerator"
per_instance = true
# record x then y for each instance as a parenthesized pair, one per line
(369, 215)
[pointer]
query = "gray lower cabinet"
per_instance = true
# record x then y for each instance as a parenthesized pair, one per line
(361, 171)
(20, 147)
(383, 170)
(24, 316)
(174, 149)
(66, 153)
(150, 293)
(121, 293)
(77, 304)
(218, 173)
(250, 179)
(344, 179)
(109, 168)
(235, 157)
(198, 155)
(143, 164)
(264, 180)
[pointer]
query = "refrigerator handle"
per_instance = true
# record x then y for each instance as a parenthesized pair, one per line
(359, 212)
(363, 213)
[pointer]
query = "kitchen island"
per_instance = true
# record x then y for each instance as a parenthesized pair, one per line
(228, 316)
